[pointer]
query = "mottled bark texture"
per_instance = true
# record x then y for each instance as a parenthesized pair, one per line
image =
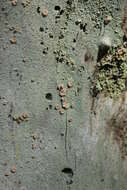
(53, 134)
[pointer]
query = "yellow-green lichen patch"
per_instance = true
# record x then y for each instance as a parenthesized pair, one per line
(111, 72)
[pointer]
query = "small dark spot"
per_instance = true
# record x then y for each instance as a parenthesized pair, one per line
(38, 9)
(62, 134)
(3, 8)
(55, 147)
(20, 78)
(117, 8)
(57, 17)
(77, 22)
(78, 89)
(61, 12)
(50, 107)
(83, 27)
(102, 180)
(69, 182)
(41, 29)
(42, 43)
(48, 96)
(87, 56)
(68, 171)
(94, 92)
(61, 36)
(57, 8)
(69, 2)
(74, 40)
(124, 38)
(66, 23)
(45, 50)
(50, 35)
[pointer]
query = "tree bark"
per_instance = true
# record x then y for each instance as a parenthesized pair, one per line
(53, 132)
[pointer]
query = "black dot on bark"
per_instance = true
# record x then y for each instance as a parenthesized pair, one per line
(42, 43)
(38, 9)
(102, 180)
(69, 2)
(61, 12)
(68, 171)
(3, 8)
(48, 96)
(41, 29)
(50, 107)
(83, 27)
(57, 8)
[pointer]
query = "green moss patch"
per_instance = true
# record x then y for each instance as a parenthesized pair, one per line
(111, 72)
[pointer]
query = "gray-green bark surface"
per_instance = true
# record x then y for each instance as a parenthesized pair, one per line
(53, 151)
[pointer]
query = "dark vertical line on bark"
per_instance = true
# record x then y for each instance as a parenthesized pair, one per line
(66, 133)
